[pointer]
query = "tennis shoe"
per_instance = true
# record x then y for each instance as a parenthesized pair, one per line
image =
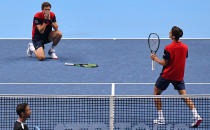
(197, 122)
(52, 54)
(30, 49)
(159, 121)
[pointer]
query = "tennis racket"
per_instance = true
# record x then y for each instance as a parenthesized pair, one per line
(82, 65)
(154, 43)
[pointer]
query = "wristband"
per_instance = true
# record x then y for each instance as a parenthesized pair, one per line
(47, 21)
(50, 21)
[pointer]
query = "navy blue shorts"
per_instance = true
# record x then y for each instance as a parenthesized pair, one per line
(163, 84)
(40, 43)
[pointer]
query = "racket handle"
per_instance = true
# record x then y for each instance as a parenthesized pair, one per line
(153, 65)
(69, 64)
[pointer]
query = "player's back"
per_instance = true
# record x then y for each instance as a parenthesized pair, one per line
(174, 70)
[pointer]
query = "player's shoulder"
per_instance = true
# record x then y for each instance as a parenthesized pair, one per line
(38, 14)
(52, 13)
(17, 125)
(184, 45)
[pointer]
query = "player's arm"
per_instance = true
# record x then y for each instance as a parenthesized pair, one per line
(55, 26)
(164, 61)
(187, 55)
(40, 26)
(54, 23)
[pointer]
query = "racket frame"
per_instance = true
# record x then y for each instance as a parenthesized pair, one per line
(153, 51)
(81, 65)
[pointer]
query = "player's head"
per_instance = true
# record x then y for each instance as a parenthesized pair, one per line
(175, 33)
(23, 110)
(46, 6)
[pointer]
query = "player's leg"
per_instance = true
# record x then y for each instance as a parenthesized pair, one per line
(40, 53)
(38, 49)
(180, 86)
(55, 37)
(160, 86)
(158, 103)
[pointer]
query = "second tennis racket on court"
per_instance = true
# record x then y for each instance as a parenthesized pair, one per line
(82, 65)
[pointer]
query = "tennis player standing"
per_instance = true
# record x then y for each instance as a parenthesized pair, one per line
(42, 33)
(173, 63)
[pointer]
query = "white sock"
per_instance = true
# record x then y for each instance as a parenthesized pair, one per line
(160, 115)
(195, 113)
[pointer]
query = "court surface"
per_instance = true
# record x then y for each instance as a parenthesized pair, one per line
(120, 61)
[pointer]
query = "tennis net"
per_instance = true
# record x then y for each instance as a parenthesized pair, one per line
(53, 112)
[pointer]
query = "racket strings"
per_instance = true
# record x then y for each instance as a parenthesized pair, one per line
(154, 43)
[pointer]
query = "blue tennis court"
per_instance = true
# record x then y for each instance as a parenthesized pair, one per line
(123, 63)
(120, 61)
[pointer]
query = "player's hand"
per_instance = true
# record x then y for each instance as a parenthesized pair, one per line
(153, 56)
(47, 15)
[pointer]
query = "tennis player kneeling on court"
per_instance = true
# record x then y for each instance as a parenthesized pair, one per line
(24, 112)
(42, 33)
(173, 63)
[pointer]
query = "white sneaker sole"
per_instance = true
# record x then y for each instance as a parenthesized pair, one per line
(158, 122)
(54, 58)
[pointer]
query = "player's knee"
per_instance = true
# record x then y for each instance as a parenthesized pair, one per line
(41, 58)
(59, 34)
(157, 91)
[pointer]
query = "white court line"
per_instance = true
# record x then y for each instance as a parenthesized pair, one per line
(102, 96)
(102, 38)
(93, 83)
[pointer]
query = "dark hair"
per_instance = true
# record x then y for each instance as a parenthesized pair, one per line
(45, 4)
(21, 108)
(176, 32)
